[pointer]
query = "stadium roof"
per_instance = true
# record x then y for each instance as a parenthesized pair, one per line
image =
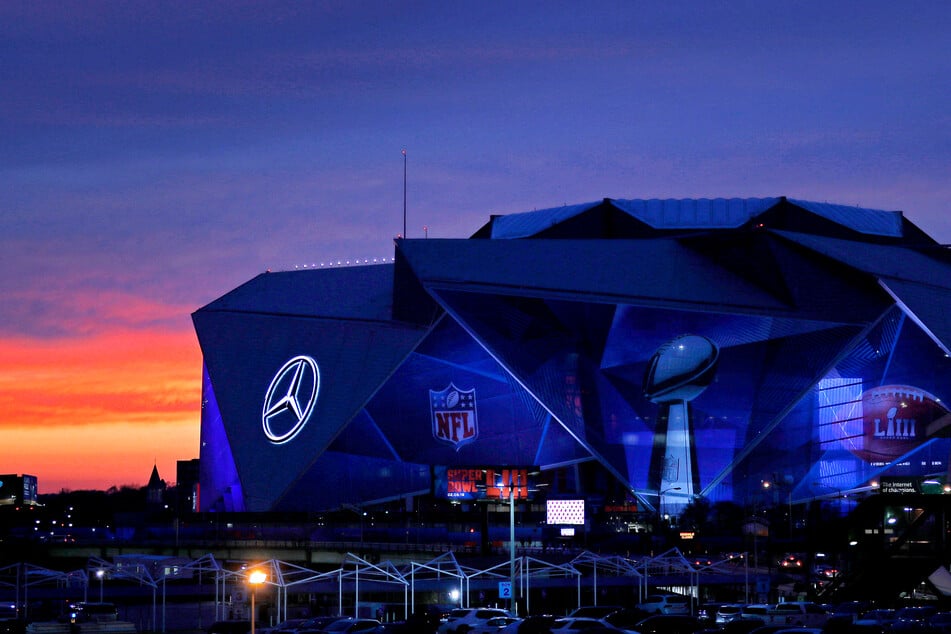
(358, 292)
(703, 213)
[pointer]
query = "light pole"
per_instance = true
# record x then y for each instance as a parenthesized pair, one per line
(404, 192)
(512, 606)
(660, 501)
(255, 578)
(100, 574)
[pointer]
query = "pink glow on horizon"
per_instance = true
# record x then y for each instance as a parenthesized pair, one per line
(100, 411)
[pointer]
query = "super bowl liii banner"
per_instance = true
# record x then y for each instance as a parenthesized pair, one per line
(483, 483)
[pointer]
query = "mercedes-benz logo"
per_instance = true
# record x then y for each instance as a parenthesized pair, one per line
(290, 399)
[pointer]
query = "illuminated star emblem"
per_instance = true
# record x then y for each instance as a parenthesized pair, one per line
(290, 399)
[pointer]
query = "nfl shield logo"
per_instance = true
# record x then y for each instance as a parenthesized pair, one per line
(454, 415)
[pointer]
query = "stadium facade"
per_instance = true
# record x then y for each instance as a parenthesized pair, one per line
(677, 348)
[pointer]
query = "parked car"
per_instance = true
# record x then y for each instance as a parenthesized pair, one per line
(741, 626)
(826, 571)
(425, 620)
(798, 613)
(352, 626)
(577, 624)
(626, 619)
(665, 604)
(669, 624)
(495, 625)
(533, 624)
(461, 620)
(313, 625)
(728, 612)
(595, 611)
(289, 626)
(755, 611)
(793, 562)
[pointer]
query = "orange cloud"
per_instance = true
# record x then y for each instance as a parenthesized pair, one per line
(98, 411)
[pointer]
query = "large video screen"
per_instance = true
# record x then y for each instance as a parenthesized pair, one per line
(564, 512)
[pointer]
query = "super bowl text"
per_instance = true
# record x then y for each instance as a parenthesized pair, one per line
(454, 426)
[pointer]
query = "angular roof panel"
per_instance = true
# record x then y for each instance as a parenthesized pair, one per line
(700, 213)
(529, 223)
(868, 221)
(882, 261)
(696, 213)
(355, 292)
(588, 270)
(927, 306)
(919, 283)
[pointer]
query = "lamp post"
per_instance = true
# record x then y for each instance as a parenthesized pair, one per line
(510, 480)
(512, 606)
(660, 501)
(255, 578)
(404, 192)
(100, 573)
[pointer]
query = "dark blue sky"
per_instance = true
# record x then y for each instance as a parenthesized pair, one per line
(156, 154)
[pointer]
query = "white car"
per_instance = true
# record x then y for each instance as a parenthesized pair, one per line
(353, 626)
(578, 624)
(495, 625)
(665, 604)
(729, 612)
(462, 620)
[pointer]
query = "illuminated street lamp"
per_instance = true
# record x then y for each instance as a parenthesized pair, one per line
(660, 502)
(255, 578)
(100, 574)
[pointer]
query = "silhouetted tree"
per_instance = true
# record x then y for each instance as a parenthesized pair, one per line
(695, 515)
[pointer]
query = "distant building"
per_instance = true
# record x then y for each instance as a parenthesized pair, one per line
(186, 484)
(18, 490)
(759, 351)
(155, 490)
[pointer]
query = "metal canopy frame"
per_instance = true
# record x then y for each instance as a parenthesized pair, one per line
(442, 573)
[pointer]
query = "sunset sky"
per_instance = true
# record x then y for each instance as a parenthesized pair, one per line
(154, 155)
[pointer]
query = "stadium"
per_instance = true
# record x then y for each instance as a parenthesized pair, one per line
(632, 354)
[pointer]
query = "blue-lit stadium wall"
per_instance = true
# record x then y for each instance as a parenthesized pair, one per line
(242, 352)
(772, 414)
(785, 406)
(809, 400)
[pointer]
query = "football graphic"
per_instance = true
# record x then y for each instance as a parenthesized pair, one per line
(452, 399)
(895, 420)
(681, 369)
